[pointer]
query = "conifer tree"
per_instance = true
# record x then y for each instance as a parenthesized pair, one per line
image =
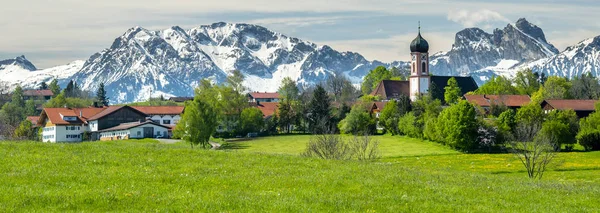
(101, 95)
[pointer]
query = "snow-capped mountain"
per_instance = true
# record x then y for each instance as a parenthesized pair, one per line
(171, 62)
(576, 60)
(483, 55)
(22, 71)
(143, 63)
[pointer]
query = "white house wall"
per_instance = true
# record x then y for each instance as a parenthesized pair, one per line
(173, 119)
(158, 130)
(59, 134)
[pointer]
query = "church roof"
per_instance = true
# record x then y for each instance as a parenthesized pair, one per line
(419, 44)
(390, 89)
(466, 84)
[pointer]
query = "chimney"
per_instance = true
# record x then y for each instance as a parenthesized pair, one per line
(80, 114)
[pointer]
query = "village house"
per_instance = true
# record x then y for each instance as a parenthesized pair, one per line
(34, 94)
(165, 115)
(263, 97)
(582, 108)
(107, 123)
(487, 101)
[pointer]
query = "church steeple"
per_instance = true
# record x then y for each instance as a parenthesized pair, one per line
(419, 75)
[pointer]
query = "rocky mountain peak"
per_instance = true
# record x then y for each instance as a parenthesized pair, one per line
(19, 61)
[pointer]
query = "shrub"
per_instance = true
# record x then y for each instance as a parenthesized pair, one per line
(590, 140)
(330, 146)
(357, 122)
(407, 125)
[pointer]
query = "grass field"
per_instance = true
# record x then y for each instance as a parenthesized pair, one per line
(267, 175)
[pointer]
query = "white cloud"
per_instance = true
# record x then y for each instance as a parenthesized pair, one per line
(474, 18)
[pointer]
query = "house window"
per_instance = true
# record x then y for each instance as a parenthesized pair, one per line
(166, 121)
(139, 133)
(424, 68)
(156, 121)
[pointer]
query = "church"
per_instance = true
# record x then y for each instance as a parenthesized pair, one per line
(420, 81)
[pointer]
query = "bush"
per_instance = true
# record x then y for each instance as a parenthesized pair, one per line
(456, 127)
(330, 146)
(590, 140)
(407, 125)
(357, 122)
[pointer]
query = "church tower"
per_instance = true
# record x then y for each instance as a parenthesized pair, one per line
(419, 79)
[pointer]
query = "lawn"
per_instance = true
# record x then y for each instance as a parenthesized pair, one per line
(149, 176)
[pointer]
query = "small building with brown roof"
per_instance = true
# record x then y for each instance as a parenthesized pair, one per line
(582, 108)
(263, 97)
(391, 89)
(181, 99)
(33, 120)
(268, 109)
(65, 124)
(377, 107)
(34, 94)
(487, 101)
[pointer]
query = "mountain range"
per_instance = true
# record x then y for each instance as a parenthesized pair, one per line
(142, 63)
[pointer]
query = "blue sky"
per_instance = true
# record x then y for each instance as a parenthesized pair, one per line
(51, 33)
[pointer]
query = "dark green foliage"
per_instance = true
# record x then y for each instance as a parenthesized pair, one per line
(585, 87)
(252, 120)
(527, 82)
(101, 95)
(43, 85)
(498, 85)
(54, 87)
(371, 80)
(589, 139)
(358, 121)
(452, 92)
(17, 97)
(319, 111)
(390, 116)
(407, 125)
(457, 126)
(342, 89)
(288, 89)
(198, 123)
(561, 127)
(30, 108)
(25, 131)
(61, 101)
(557, 88)
(288, 104)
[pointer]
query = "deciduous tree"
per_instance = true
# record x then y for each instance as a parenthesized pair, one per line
(452, 92)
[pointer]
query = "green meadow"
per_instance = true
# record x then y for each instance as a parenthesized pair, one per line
(268, 175)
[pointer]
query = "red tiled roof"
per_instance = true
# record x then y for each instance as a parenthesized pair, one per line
(379, 105)
(33, 92)
(507, 100)
(33, 119)
(267, 108)
(576, 105)
(54, 114)
(264, 95)
(160, 110)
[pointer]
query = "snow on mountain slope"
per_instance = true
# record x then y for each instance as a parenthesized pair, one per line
(143, 63)
(22, 71)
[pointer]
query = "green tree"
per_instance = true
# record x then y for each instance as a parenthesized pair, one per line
(70, 89)
(198, 123)
(557, 88)
(452, 92)
(43, 85)
(391, 114)
(30, 108)
(585, 86)
(358, 121)
(57, 102)
(54, 87)
(375, 76)
(530, 114)
(101, 95)
(319, 111)
(252, 120)
(498, 85)
(286, 115)
(457, 126)
(527, 82)
(407, 125)
(288, 89)
(17, 97)
(236, 80)
(25, 130)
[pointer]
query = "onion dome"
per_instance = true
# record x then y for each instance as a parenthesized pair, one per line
(419, 44)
